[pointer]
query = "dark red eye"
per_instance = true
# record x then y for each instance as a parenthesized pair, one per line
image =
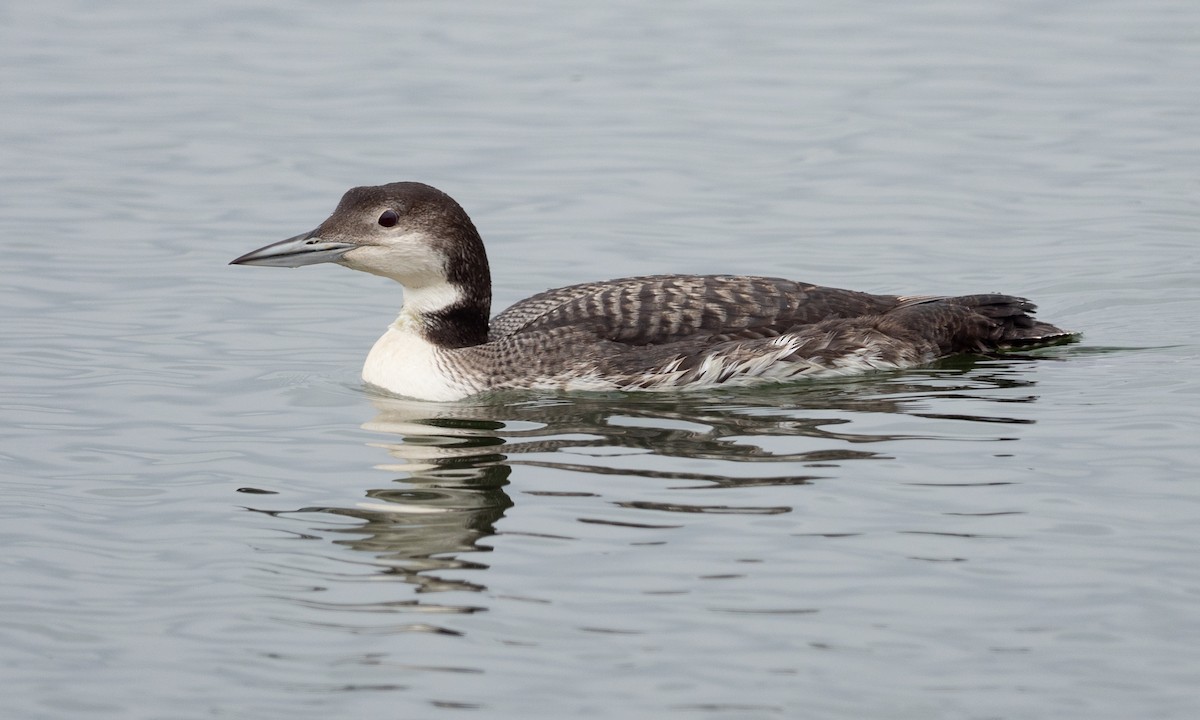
(389, 218)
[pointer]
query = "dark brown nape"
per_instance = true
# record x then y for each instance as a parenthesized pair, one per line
(466, 322)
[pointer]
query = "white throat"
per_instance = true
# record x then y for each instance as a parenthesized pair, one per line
(427, 300)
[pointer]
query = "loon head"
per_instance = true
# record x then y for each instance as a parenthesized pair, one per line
(409, 232)
(412, 233)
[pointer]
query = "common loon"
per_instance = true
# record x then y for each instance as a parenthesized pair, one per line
(658, 332)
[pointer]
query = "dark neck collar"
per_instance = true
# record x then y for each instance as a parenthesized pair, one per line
(463, 324)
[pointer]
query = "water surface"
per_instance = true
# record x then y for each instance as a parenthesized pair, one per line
(206, 515)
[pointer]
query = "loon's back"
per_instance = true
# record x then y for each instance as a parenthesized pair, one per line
(663, 309)
(656, 309)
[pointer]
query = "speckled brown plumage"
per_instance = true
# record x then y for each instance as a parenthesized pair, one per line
(665, 331)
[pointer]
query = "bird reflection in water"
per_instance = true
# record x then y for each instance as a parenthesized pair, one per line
(456, 459)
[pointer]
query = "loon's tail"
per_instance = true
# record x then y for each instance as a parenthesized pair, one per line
(984, 323)
(1018, 327)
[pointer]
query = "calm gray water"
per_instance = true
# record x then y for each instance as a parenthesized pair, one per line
(205, 515)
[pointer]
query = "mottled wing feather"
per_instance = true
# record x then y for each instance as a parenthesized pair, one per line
(667, 308)
(523, 312)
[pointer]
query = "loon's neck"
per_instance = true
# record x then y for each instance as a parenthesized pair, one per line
(451, 309)
(446, 315)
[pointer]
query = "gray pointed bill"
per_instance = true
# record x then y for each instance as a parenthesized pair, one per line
(305, 249)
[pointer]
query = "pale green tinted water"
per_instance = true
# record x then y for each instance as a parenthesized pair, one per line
(204, 515)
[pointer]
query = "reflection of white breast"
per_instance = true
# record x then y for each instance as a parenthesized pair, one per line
(405, 363)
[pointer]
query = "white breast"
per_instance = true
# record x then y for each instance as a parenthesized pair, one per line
(404, 363)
